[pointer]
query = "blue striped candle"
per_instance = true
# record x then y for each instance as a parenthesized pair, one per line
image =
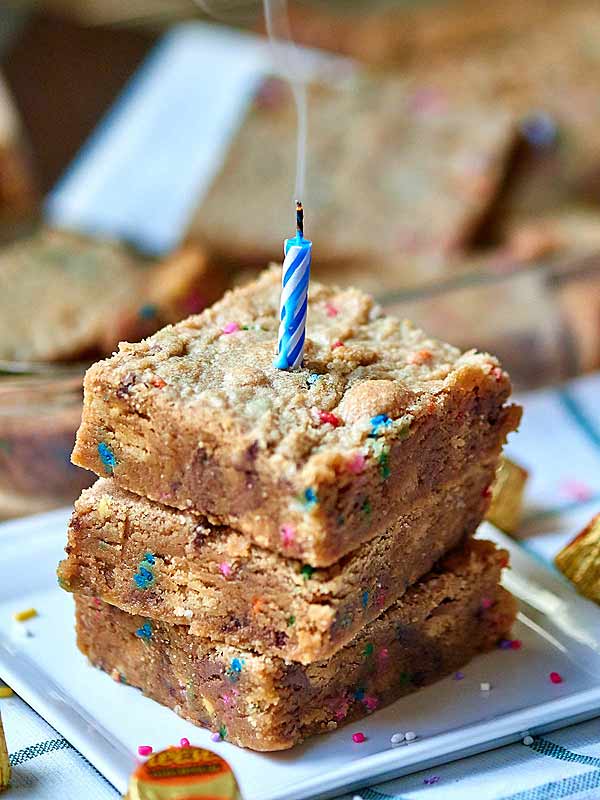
(294, 299)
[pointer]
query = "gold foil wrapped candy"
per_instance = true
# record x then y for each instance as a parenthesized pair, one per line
(183, 773)
(4, 761)
(506, 508)
(580, 560)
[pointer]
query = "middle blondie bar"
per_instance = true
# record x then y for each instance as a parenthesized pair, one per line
(175, 567)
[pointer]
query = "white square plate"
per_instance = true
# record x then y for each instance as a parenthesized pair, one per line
(106, 721)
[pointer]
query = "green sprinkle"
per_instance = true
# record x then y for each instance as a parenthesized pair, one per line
(223, 732)
(368, 651)
(405, 679)
(307, 571)
(366, 507)
(384, 464)
(189, 691)
(291, 620)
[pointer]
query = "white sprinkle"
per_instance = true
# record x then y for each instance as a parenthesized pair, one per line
(397, 738)
(177, 710)
(528, 741)
(357, 797)
(485, 686)
(410, 736)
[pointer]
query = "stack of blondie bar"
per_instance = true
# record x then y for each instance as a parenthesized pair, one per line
(275, 553)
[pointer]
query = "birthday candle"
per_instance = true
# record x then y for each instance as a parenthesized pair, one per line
(294, 296)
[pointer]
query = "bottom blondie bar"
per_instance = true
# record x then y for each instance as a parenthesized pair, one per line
(265, 703)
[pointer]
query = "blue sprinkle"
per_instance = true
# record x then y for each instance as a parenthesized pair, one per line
(145, 632)
(107, 457)
(235, 669)
(310, 498)
(365, 599)
(359, 694)
(378, 422)
(313, 378)
(144, 577)
(539, 129)
(147, 311)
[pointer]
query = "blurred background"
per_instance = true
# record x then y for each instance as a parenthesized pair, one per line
(147, 158)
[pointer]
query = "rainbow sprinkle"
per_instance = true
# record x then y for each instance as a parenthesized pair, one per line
(225, 570)
(379, 422)
(144, 578)
(309, 498)
(107, 457)
(288, 534)
(235, 668)
(145, 632)
(23, 616)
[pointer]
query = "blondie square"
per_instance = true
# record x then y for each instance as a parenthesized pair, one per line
(264, 703)
(176, 567)
(379, 416)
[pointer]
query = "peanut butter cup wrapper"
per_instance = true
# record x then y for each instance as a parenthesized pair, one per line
(183, 773)
(506, 508)
(4, 761)
(579, 561)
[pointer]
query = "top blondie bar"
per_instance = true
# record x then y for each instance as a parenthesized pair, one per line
(309, 463)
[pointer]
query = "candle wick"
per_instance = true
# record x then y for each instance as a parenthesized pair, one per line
(299, 218)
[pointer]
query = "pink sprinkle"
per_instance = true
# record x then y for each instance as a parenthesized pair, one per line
(342, 710)
(194, 303)
(216, 737)
(288, 534)
(144, 750)
(184, 742)
(370, 702)
(225, 569)
(516, 644)
(331, 310)
(556, 677)
(576, 490)
(380, 602)
(337, 344)
(231, 327)
(383, 653)
(356, 463)
(359, 738)
(487, 492)
(487, 603)
(327, 417)
(428, 99)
